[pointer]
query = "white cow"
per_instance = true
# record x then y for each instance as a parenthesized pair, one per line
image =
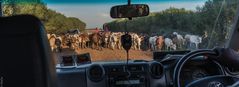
(80, 40)
(152, 42)
(113, 40)
(169, 44)
(178, 40)
(74, 42)
(193, 39)
(136, 41)
(106, 38)
(118, 42)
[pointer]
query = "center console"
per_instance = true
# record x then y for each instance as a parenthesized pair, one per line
(144, 74)
(128, 76)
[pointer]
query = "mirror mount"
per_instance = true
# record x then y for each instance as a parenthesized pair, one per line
(129, 3)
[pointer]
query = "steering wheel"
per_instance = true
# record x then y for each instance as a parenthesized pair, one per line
(210, 81)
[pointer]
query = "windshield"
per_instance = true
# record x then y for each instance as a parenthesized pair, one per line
(85, 26)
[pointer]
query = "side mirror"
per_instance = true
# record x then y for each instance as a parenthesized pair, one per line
(129, 11)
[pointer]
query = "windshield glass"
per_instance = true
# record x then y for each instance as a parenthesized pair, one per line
(85, 26)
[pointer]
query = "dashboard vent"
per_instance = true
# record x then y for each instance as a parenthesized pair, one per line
(96, 73)
(156, 69)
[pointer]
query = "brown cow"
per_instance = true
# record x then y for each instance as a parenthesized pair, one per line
(83, 38)
(137, 39)
(160, 42)
(74, 41)
(95, 39)
(106, 39)
(52, 40)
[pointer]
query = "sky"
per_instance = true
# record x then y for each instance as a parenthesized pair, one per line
(97, 12)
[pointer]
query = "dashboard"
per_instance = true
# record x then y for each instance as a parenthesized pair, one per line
(136, 73)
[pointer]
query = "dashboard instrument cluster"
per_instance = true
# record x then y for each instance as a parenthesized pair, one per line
(195, 70)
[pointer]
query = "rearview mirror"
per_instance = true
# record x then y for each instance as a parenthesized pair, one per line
(129, 11)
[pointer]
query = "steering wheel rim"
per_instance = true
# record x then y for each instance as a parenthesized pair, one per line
(215, 81)
(183, 60)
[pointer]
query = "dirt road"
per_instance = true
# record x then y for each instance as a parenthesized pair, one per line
(108, 55)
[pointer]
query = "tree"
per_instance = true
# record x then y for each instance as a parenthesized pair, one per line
(54, 22)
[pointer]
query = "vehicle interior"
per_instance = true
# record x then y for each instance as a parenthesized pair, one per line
(28, 58)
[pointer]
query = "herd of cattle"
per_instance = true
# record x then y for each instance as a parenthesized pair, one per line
(112, 40)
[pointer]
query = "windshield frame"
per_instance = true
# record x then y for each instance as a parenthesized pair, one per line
(230, 42)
